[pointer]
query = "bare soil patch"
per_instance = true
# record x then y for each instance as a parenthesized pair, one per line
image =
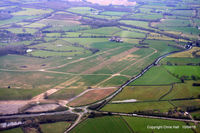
(91, 97)
(43, 108)
(11, 107)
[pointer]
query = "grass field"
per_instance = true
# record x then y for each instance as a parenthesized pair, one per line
(148, 16)
(188, 13)
(102, 125)
(140, 106)
(22, 30)
(16, 19)
(58, 45)
(14, 130)
(90, 80)
(58, 127)
(161, 76)
(19, 94)
(174, 22)
(35, 25)
(66, 93)
(184, 90)
(31, 11)
(196, 114)
(86, 41)
(143, 125)
(83, 10)
(45, 54)
(103, 31)
(110, 13)
(130, 34)
(142, 92)
(180, 60)
(136, 23)
(115, 81)
(186, 71)
(28, 84)
(183, 104)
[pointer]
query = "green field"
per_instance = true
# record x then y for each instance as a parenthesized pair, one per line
(184, 90)
(161, 76)
(139, 92)
(183, 104)
(32, 11)
(109, 13)
(14, 130)
(144, 125)
(188, 13)
(28, 84)
(129, 34)
(174, 22)
(83, 10)
(22, 30)
(150, 16)
(58, 127)
(186, 71)
(103, 31)
(136, 23)
(139, 106)
(180, 60)
(102, 125)
(115, 81)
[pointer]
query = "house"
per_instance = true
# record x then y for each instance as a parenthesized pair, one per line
(116, 39)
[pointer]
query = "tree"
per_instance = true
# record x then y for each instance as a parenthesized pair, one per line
(182, 79)
(193, 77)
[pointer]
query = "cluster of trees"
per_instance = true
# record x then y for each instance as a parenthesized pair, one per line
(170, 114)
(99, 23)
(97, 105)
(98, 114)
(13, 49)
(7, 36)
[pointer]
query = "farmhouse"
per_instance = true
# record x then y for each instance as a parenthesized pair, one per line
(116, 39)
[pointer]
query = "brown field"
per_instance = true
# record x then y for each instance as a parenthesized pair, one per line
(129, 57)
(43, 108)
(110, 61)
(91, 97)
(11, 107)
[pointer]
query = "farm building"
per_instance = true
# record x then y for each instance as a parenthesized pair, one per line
(116, 39)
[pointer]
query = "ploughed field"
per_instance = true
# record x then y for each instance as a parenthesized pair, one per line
(78, 53)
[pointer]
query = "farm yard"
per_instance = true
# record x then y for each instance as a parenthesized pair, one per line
(102, 61)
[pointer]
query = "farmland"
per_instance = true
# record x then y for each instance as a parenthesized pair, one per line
(140, 125)
(139, 106)
(99, 60)
(162, 77)
(137, 92)
(59, 127)
(103, 124)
